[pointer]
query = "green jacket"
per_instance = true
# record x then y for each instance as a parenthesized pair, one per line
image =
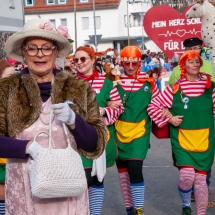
(206, 67)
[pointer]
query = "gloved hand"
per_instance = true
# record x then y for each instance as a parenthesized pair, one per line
(33, 149)
(64, 113)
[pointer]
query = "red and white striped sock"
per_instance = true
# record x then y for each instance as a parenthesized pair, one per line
(125, 187)
(201, 193)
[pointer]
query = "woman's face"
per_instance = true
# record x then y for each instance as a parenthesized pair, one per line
(130, 68)
(40, 64)
(192, 66)
(8, 72)
(83, 63)
(154, 75)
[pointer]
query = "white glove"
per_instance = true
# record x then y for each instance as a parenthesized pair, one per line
(33, 149)
(64, 113)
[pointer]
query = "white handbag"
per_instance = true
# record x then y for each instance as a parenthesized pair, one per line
(57, 173)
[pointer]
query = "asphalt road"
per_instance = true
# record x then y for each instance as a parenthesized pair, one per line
(161, 191)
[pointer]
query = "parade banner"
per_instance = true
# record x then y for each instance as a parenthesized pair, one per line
(167, 28)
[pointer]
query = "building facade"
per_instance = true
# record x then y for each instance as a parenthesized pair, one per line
(119, 22)
(11, 15)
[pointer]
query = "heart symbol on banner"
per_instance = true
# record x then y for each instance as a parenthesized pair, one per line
(167, 28)
(181, 33)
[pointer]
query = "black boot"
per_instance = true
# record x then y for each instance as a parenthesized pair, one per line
(130, 211)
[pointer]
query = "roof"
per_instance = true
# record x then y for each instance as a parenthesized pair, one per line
(41, 6)
(119, 38)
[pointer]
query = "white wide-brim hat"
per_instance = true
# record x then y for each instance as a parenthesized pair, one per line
(33, 29)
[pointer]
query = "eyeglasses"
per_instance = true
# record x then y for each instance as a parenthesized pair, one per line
(193, 48)
(82, 59)
(33, 50)
(134, 63)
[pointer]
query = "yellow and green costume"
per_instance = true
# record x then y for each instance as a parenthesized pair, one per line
(193, 141)
(103, 96)
(2, 170)
(133, 126)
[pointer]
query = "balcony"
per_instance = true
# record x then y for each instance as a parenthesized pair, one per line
(135, 7)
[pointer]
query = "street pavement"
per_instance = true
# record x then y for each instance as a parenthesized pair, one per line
(161, 191)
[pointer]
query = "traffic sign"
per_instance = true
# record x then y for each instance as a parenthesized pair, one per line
(92, 39)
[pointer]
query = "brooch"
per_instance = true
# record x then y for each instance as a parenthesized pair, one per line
(146, 88)
(185, 100)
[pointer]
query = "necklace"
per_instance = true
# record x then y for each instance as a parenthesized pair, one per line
(45, 123)
(184, 100)
(124, 99)
(91, 84)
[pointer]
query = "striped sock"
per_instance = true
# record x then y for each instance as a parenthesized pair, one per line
(137, 191)
(185, 185)
(96, 198)
(2, 207)
(201, 193)
(125, 187)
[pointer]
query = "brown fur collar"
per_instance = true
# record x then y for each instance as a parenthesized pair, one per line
(20, 104)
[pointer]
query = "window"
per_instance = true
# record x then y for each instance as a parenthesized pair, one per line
(64, 22)
(61, 1)
(85, 23)
(50, 1)
(84, 1)
(11, 4)
(98, 22)
(53, 22)
(28, 2)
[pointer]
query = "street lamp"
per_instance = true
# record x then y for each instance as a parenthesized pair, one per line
(75, 24)
(128, 24)
(23, 11)
(94, 17)
(143, 45)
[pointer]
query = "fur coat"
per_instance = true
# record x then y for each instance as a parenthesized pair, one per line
(20, 104)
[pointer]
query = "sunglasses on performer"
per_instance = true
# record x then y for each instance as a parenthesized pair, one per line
(134, 64)
(82, 59)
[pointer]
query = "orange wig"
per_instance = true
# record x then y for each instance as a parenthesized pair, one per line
(131, 52)
(189, 55)
(90, 52)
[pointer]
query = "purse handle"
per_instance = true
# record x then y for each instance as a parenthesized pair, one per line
(51, 141)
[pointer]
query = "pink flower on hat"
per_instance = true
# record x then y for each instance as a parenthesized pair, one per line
(62, 30)
(47, 26)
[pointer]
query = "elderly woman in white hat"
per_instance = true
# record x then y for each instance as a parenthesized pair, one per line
(26, 100)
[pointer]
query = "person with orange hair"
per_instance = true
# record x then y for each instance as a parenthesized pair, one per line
(133, 128)
(105, 91)
(191, 101)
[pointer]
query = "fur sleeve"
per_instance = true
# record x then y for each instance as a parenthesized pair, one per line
(3, 107)
(93, 118)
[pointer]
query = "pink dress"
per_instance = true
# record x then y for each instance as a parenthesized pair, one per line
(19, 199)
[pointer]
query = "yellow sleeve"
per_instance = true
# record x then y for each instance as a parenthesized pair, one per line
(207, 68)
(3, 161)
(175, 75)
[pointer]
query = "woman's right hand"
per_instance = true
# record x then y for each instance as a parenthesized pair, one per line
(33, 148)
(113, 104)
(176, 120)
